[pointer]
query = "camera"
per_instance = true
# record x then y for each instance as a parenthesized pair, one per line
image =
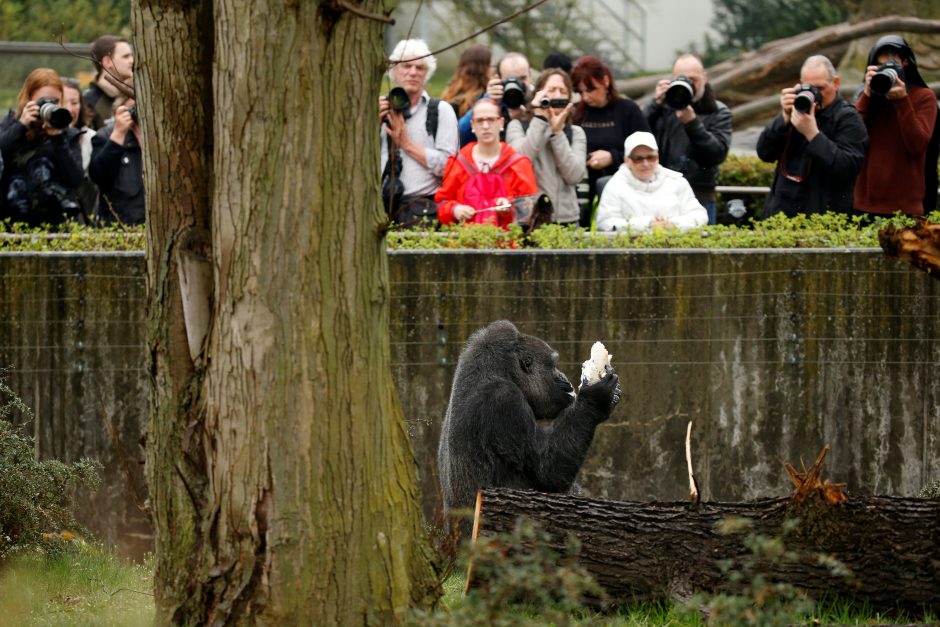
(806, 96)
(52, 114)
(886, 75)
(513, 92)
(398, 100)
(133, 112)
(554, 103)
(680, 93)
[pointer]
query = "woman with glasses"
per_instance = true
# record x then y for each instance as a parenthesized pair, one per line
(557, 149)
(607, 119)
(643, 195)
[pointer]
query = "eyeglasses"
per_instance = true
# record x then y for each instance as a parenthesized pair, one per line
(486, 121)
(643, 158)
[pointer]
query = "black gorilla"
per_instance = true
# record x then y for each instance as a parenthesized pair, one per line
(505, 382)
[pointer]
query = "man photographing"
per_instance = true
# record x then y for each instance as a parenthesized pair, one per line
(818, 141)
(900, 113)
(692, 128)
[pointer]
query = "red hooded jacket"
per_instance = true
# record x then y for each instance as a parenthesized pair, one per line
(519, 179)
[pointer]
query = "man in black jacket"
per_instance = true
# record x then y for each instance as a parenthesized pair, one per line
(114, 59)
(819, 152)
(693, 139)
(117, 168)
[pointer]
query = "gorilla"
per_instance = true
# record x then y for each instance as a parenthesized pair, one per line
(505, 383)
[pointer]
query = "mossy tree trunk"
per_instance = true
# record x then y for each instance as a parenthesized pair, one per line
(282, 480)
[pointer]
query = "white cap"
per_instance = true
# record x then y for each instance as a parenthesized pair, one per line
(639, 138)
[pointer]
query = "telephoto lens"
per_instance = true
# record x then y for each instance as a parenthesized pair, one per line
(513, 92)
(680, 93)
(885, 77)
(52, 114)
(398, 100)
(806, 96)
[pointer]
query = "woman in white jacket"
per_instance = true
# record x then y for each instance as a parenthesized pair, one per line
(643, 195)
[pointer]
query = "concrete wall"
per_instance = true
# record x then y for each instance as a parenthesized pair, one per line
(771, 354)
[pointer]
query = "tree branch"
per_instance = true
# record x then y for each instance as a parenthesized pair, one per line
(344, 4)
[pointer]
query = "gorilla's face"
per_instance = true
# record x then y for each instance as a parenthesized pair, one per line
(546, 388)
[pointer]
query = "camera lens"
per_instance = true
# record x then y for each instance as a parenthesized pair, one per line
(545, 103)
(513, 92)
(398, 99)
(885, 78)
(806, 96)
(680, 93)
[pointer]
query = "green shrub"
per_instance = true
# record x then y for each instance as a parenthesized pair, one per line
(35, 496)
(745, 171)
(931, 490)
(517, 579)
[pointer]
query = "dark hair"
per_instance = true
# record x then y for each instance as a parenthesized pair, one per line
(104, 47)
(589, 72)
(72, 83)
(557, 60)
(469, 81)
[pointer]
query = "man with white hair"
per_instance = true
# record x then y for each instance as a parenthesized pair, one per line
(419, 133)
(643, 195)
(818, 141)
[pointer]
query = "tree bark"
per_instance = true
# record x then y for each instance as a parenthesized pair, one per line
(640, 550)
(283, 482)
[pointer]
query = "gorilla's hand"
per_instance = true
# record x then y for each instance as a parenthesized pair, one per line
(604, 394)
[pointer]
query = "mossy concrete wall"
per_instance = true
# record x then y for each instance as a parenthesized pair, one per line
(771, 354)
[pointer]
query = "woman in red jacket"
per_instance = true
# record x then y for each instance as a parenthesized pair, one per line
(481, 181)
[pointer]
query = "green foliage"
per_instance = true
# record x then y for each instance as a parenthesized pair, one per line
(86, 585)
(517, 579)
(754, 597)
(931, 490)
(744, 25)
(75, 21)
(70, 237)
(35, 497)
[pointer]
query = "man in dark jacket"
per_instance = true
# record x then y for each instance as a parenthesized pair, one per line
(694, 139)
(117, 168)
(114, 59)
(818, 153)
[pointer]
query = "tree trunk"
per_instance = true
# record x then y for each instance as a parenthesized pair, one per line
(639, 550)
(283, 480)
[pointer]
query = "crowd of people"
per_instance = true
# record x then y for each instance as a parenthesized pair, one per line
(601, 160)
(72, 156)
(503, 135)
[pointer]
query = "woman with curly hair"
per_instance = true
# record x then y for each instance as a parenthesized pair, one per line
(469, 82)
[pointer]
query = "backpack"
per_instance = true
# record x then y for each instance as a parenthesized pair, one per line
(483, 188)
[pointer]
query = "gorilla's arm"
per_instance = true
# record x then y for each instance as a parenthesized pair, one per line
(549, 457)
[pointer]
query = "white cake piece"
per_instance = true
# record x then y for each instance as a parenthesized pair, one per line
(595, 368)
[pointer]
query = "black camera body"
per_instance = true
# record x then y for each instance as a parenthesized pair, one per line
(806, 96)
(513, 92)
(554, 103)
(680, 93)
(885, 77)
(52, 114)
(398, 100)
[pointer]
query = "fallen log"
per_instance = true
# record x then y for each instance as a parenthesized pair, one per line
(636, 550)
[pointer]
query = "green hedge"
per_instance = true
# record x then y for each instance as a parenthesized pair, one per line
(814, 231)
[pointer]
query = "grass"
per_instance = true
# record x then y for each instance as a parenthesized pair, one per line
(90, 586)
(83, 585)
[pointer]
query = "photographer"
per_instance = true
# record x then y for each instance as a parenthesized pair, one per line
(114, 59)
(693, 129)
(42, 166)
(418, 135)
(900, 113)
(818, 141)
(509, 88)
(557, 149)
(117, 167)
